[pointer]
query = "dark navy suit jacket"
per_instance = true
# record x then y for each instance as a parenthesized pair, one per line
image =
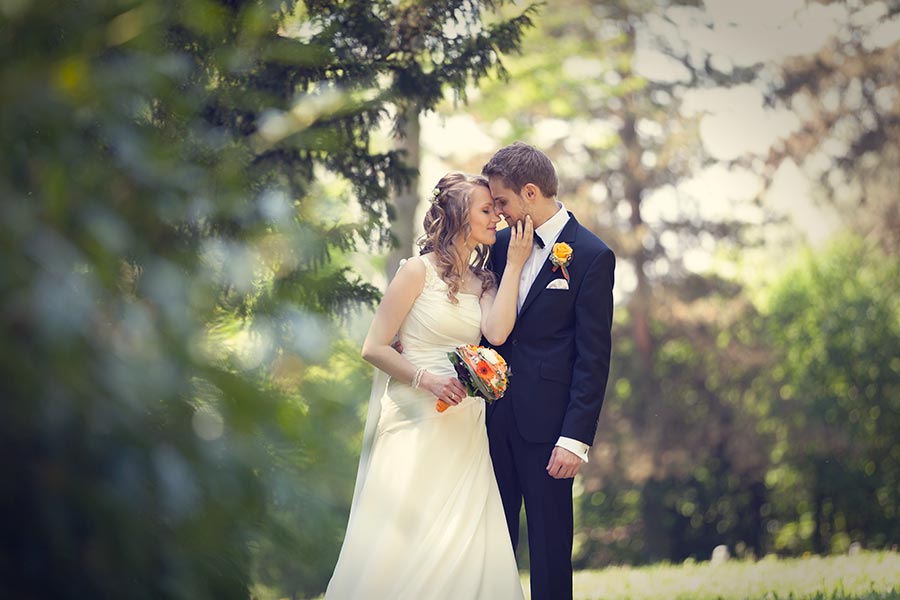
(559, 349)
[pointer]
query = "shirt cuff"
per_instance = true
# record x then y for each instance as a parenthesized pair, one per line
(574, 446)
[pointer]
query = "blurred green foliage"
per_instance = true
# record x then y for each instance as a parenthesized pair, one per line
(835, 472)
(774, 430)
(680, 462)
(182, 184)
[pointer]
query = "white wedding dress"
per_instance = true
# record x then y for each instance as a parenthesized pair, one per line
(427, 522)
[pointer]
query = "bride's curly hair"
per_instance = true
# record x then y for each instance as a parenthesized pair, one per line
(448, 217)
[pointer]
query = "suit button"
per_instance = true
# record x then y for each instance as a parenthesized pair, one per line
(515, 342)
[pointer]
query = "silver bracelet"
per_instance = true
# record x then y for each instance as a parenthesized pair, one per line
(417, 378)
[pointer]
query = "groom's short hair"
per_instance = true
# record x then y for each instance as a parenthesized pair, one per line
(521, 163)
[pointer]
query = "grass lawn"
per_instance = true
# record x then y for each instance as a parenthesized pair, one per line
(866, 576)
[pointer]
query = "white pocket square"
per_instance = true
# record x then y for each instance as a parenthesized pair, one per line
(558, 284)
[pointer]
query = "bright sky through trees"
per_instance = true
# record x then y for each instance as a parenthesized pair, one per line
(735, 123)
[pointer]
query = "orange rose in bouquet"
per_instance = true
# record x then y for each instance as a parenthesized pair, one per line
(482, 370)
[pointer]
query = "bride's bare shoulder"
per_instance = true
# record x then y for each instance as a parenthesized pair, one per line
(408, 280)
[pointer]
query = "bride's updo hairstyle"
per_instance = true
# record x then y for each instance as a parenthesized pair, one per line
(447, 218)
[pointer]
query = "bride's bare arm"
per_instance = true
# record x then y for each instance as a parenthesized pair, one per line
(395, 306)
(499, 307)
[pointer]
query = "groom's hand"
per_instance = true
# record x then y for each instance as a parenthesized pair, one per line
(563, 464)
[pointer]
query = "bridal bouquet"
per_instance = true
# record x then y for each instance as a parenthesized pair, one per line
(482, 370)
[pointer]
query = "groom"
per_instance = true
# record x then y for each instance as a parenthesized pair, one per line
(541, 431)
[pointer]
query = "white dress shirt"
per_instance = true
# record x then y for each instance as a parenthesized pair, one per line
(548, 232)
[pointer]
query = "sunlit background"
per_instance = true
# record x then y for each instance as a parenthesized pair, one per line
(202, 202)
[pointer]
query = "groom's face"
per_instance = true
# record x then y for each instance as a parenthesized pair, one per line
(509, 203)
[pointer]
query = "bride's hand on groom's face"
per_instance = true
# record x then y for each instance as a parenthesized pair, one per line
(448, 389)
(521, 240)
(563, 464)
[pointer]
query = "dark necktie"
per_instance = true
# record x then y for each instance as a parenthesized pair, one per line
(538, 241)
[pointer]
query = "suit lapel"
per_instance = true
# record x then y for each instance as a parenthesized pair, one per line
(497, 261)
(546, 274)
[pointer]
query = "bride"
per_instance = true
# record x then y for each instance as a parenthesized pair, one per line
(427, 521)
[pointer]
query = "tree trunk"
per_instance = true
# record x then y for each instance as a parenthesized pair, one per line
(819, 509)
(758, 498)
(635, 182)
(403, 223)
(634, 187)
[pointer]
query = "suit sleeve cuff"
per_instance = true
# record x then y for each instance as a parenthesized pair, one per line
(575, 447)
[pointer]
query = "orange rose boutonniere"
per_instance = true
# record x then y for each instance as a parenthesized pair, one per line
(561, 257)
